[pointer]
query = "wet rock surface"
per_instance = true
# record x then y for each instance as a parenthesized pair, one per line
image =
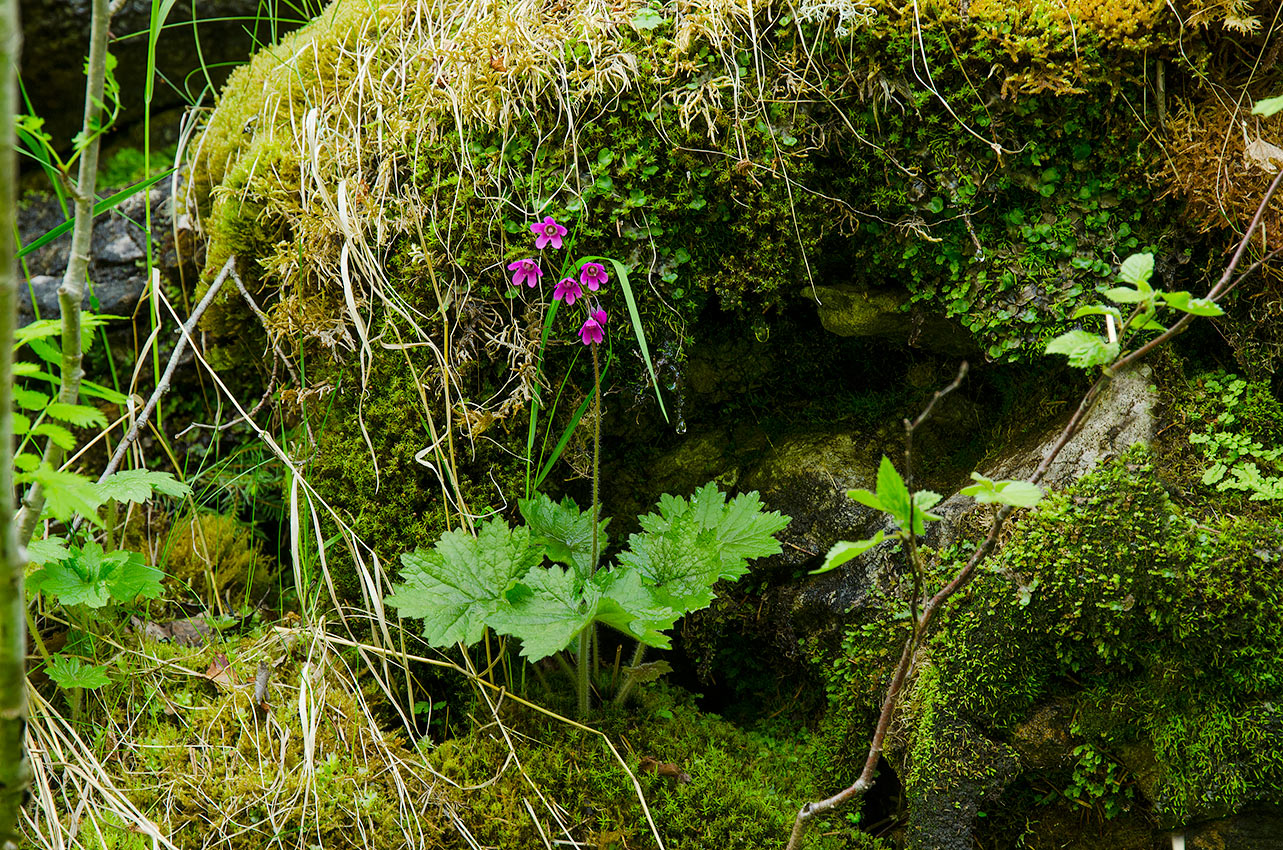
(117, 266)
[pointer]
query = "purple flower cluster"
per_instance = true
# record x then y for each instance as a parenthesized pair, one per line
(591, 275)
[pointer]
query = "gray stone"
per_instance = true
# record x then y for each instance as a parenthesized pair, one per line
(117, 273)
(848, 310)
(1261, 829)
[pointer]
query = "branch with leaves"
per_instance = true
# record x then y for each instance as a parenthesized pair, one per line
(909, 510)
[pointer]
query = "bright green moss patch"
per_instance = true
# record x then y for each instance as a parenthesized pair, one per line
(202, 759)
(1157, 631)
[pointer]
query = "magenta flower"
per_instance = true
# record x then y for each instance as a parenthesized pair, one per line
(567, 290)
(547, 231)
(592, 331)
(526, 271)
(592, 275)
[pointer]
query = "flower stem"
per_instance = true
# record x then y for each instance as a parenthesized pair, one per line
(630, 680)
(582, 683)
(596, 455)
(588, 637)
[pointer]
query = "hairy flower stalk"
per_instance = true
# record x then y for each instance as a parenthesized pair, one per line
(587, 637)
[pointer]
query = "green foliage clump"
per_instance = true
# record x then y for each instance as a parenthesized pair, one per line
(1109, 583)
(739, 790)
(1158, 632)
(1242, 435)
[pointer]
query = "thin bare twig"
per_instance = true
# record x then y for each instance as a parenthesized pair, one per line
(909, 427)
(163, 386)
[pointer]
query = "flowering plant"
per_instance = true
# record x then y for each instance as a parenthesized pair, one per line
(497, 579)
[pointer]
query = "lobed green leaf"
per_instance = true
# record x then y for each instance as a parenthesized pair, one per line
(68, 672)
(456, 586)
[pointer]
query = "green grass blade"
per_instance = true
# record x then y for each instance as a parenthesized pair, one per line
(40, 154)
(99, 208)
(621, 273)
(535, 400)
(570, 428)
(159, 12)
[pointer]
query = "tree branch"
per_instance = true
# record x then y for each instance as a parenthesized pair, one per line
(71, 294)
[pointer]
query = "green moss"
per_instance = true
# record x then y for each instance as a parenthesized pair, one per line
(200, 753)
(1178, 620)
(744, 789)
(1161, 631)
(724, 173)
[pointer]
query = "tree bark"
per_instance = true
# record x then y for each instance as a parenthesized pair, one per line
(15, 772)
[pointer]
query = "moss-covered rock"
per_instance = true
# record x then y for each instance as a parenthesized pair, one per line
(376, 172)
(1125, 649)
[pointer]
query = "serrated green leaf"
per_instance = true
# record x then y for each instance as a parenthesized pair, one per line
(58, 435)
(23, 369)
(628, 605)
(925, 500)
(66, 494)
(1214, 473)
(27, 399)
(892, 493)
(681, 562)
(1148, 323)
(459, 583)
(91, 390)
(1098, 310)
(648, 672)
(91, 577)
(46, 351)
(80, 415)
(845, 550)
(1019, 494)
(547, 619)
(565, 531)
(25, 461)
(743, 530)
(866, 498)
(21, 424)
(130, 576)
(1268, 106)
(68, 672)
(1137, 270)
(49, 549)
(1083, 349)
(39, 329)
(137, 485)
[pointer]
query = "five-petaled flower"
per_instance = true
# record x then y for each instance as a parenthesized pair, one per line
(592, 331)
(547, 231)
(592, 275)
(526, 271)
(567, 290)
